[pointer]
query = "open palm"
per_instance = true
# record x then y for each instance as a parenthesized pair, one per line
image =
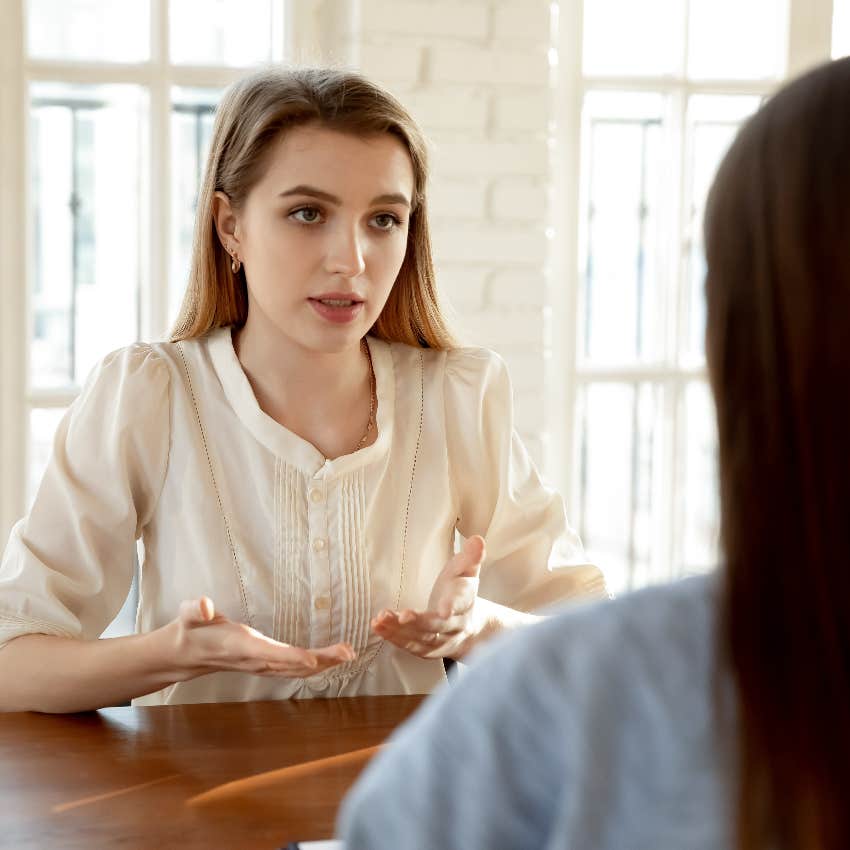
(449, 620)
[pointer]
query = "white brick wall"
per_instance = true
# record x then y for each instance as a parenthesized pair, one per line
(475, 74)
(442, 19)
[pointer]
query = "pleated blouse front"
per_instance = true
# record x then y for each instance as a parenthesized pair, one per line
(166, 444)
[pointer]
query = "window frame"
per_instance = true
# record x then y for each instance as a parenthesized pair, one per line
(809, 41)
(156, 76)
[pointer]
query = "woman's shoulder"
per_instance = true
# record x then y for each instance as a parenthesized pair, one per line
(197, 351)
(137, 362)
(467, 364)
(130, 384)
(141, 366)
(473, 362)
(142, 363)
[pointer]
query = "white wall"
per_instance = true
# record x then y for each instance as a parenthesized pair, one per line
(476, 75)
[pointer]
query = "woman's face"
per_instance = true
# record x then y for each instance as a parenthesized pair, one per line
(323, 234)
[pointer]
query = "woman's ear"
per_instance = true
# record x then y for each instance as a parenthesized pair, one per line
(225, 223)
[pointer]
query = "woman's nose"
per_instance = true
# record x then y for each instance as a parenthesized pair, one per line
(345, 253)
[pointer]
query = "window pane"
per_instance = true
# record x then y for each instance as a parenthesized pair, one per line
(728, 39)
(646, 39)
(85, 205)
(840, 28)
(191, 128)
(619, 473)
(699, 519)
(89, 30)
(222, 32)
(43, 423)
(622, 292)
(712, 122)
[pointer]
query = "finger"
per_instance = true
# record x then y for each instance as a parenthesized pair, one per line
(385, 618)
(457, 598)
(206, 608)
(414, 647)
(428, 622)
(200, 610)
(324, 657)
(255, 646)
(422, 650)
(427, 649)
(475, 551)
(436, 621)
(467, 562)
(295, 671)
(386, 615)
(335, 654)
(403, 636)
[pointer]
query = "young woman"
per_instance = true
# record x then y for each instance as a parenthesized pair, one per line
(297, 458)
(708, 714)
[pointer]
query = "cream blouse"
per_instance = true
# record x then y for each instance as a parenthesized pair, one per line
(167, 443)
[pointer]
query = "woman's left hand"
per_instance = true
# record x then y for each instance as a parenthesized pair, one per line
(452, 620)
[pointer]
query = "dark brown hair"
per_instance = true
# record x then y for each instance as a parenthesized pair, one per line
(253, 114)
(778, 345)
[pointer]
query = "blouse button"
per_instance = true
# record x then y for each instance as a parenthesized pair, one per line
(316, 495)
(322, 603)
(319, 544)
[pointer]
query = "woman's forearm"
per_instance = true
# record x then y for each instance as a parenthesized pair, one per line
(57, 674)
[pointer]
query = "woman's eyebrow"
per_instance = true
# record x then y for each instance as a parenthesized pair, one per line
(392, 198)
(303, 189)
(313, 192)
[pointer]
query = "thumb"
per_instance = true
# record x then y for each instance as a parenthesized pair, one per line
(467, 562)
(200, 610)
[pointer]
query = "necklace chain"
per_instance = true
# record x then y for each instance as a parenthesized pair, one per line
(371, 423)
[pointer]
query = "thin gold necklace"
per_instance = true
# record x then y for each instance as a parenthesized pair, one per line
(370, 424)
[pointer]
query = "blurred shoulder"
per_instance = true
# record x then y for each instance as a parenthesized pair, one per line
(647, 653)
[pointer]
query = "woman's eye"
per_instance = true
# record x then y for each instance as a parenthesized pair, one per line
(307, 215)
(385, 221)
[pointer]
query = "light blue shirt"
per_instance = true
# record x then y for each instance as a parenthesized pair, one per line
(595, 730)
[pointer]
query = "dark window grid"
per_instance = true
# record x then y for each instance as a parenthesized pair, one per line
(80, 205)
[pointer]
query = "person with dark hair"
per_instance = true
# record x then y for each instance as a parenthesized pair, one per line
(708, 713)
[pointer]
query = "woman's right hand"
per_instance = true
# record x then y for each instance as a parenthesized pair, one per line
(207, 642)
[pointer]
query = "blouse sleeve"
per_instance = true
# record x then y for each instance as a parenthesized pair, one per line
(534, 558)
(68, 565)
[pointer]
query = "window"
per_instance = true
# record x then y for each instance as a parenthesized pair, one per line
(106, 116)
(116, 103)
(85, 203)
(192, 111)
(657, 99)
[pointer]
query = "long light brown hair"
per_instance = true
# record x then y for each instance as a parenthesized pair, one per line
(253, 113)
(778, 345)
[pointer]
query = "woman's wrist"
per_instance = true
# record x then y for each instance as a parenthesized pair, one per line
(169, 653)
(488, 619)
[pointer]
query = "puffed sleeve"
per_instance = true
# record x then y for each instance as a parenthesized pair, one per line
(68, 565)
(534, 558)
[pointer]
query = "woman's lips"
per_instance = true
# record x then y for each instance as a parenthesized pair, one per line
(337, 313)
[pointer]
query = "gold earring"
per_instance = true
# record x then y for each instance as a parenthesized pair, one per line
(235, 263)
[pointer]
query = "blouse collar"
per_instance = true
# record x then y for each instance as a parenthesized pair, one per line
(283, 442)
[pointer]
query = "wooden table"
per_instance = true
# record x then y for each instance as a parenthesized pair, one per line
(231, 775)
